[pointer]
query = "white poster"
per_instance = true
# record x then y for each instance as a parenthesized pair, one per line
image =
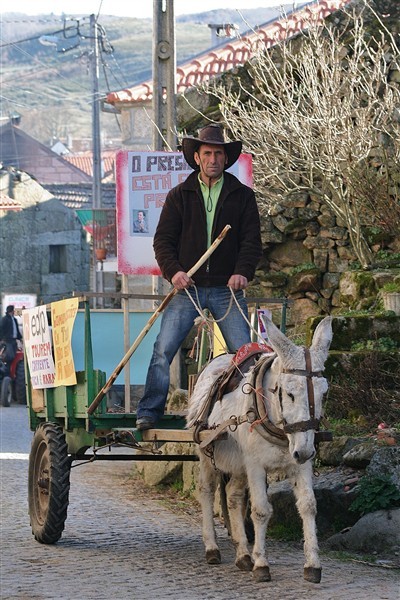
(143, 180)
(38, 347)
(20, 301)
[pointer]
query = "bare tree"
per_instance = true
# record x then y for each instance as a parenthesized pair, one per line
(321, 114)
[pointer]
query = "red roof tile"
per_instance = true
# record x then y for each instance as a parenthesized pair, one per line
(84, 162)
(7, 203)
(234, 54)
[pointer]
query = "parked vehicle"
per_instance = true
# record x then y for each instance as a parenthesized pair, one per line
(12, 378)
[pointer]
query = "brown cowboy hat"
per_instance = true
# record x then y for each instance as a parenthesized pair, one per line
(210, 134)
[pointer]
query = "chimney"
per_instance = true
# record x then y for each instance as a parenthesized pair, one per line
(219, 31)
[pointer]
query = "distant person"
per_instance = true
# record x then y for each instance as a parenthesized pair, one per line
(10, 333)
(140, 225)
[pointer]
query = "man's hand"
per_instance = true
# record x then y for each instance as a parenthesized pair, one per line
(238, 282)
(181, 280)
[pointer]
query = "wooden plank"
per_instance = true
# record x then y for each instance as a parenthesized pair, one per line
(167, 435)
(174, 435)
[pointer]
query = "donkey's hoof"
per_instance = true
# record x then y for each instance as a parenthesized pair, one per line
(245, 563)
(312, 574)
(213, 557)
(261, 574)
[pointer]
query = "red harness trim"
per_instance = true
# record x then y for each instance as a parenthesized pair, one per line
(248, 350)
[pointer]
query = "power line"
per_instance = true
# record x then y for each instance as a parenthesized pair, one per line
(36, 37)
(54, 96)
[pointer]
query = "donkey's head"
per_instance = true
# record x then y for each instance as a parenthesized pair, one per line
(296, 387)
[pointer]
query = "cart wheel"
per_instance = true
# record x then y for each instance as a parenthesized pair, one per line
(20, 388)
(6, 391)
(48, 483)
(248, 523)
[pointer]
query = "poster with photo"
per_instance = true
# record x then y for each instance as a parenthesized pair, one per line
(143, 180)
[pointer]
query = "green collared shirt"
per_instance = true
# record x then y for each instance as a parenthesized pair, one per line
(210, 196)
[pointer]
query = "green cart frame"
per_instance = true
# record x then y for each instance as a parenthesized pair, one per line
(64, 432)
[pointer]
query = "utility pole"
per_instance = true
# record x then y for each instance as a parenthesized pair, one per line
(164, 86)
(164, 108)
(95, 114)
(164, 75)
(96, 146)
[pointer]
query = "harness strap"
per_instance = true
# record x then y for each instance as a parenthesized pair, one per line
(310, 387)
(303, 372)
(301, 426)
(258, 415)
(228, 381)
(276, 432)
(231, 422)
(210, 400)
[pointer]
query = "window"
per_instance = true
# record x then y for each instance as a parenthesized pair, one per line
(58, 259)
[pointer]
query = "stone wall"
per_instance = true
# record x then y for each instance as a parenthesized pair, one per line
(307, 256)
(43, 249)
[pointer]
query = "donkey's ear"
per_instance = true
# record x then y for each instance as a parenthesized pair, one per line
(278, 340)
(322, 337)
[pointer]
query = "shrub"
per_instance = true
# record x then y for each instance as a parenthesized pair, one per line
(391, 287)
(375, 493)
(367, 385)
(382, 344)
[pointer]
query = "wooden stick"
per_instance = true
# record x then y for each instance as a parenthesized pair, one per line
(150, 322)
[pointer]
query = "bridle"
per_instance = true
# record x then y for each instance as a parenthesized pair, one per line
(260, 408)
(312, 422)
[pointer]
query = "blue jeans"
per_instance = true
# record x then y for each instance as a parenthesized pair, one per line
(177, 320)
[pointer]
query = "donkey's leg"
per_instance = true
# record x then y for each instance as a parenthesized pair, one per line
(236, 493)
(261, 512)
(307, 507)
(207, 486)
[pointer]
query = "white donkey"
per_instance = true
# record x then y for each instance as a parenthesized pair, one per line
(269, 421)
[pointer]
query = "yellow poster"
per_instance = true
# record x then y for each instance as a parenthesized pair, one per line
(63, 315)
(219, 342)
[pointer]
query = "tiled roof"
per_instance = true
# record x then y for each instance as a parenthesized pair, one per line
(84, 162)
(80, 195)
(21, 151)
(7, 203)
(234, 54)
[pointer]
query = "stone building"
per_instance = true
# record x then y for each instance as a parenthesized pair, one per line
(33, 175)
(43, 248)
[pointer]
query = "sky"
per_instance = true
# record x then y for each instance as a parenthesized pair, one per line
(125, 8)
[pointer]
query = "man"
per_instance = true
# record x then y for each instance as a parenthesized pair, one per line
(139, 225)
(10, 333)
(194, 214)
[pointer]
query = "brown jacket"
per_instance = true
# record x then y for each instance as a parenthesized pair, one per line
(181, 235)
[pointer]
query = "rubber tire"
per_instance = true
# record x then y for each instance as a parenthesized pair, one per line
(20, 387)
(48, 483)
(6, 391)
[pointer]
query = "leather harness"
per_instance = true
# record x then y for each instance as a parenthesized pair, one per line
(230, 379)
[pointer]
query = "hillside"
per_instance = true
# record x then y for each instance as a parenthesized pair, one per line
(50, 86)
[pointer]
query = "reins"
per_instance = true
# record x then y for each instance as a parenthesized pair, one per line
(209, 321)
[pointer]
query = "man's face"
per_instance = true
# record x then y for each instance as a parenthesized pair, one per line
(140, 216)
(211, 159)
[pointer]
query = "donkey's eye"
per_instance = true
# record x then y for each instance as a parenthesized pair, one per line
(291, 396)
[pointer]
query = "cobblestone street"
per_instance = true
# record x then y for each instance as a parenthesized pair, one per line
(119, 543)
